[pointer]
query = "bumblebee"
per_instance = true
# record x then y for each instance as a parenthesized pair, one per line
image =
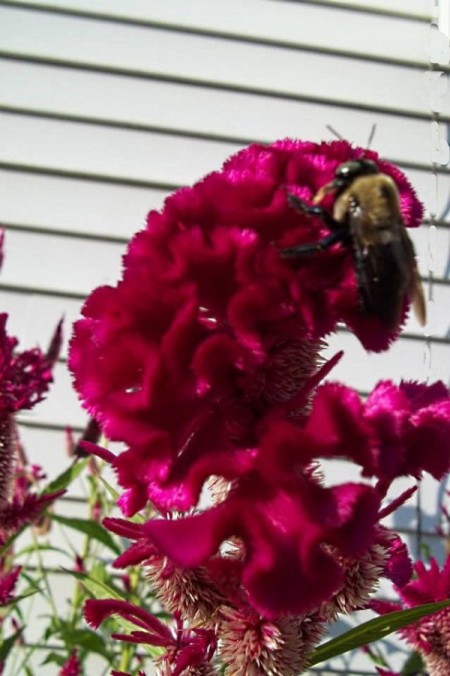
(366, 218)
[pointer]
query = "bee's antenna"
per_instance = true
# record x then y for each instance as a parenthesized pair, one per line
(334, 132)
(372, 134)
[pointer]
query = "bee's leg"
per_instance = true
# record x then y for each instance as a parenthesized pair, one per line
(312, 210)
(313, 247)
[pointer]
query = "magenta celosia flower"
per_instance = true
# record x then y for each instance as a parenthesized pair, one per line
(430, 635)
(72, 666)
(184, 649)
(25, 376)
(294, 529)
(16, 513)
(8, 583)
(285, 518)
(399, 430)
(398, 566)
(24, 380)
(210, 328)
(286, 528)
(203, 360)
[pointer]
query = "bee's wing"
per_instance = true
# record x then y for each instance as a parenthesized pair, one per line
(415, 289)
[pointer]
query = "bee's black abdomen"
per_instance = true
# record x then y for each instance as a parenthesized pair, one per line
(383, 280)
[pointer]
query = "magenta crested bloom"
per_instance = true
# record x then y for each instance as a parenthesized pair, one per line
(186, 651)
(205, 362)
(297, 533)
(400, 430)
(210, 329)
(287, 568)
(430, 635)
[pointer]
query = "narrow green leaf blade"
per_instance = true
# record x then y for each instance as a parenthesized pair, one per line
(91, 528)
(7, 645)
(413, 665)
(65, 478)
(87, 639)
(373, 630)
(97, 588)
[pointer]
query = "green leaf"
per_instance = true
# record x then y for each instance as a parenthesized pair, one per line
(84, 638)
(97, 589)
(109, 489)
(7, 645)
(373, 630)
(425, 551)
(376, 657)
(31, 549)
(17, 599)
(413, 665)
(91, 528)
(54, 658)
(65, 479)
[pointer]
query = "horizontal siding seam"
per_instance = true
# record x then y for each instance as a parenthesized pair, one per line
(88, 176)
(182, 133)
(219, 86)
(221, 35)
(388, 13)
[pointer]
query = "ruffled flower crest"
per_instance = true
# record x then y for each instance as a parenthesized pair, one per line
(205, 361)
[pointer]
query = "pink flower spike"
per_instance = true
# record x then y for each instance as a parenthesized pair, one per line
(184, 648)
(71, 667)
(124, 528)
(398, 502)
(24, 377)
(8, 583)
(398, 567)
(19, 512)
(54, 349)
(99, 451)
(96, 611)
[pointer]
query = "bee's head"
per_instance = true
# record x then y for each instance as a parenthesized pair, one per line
(345, 174)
